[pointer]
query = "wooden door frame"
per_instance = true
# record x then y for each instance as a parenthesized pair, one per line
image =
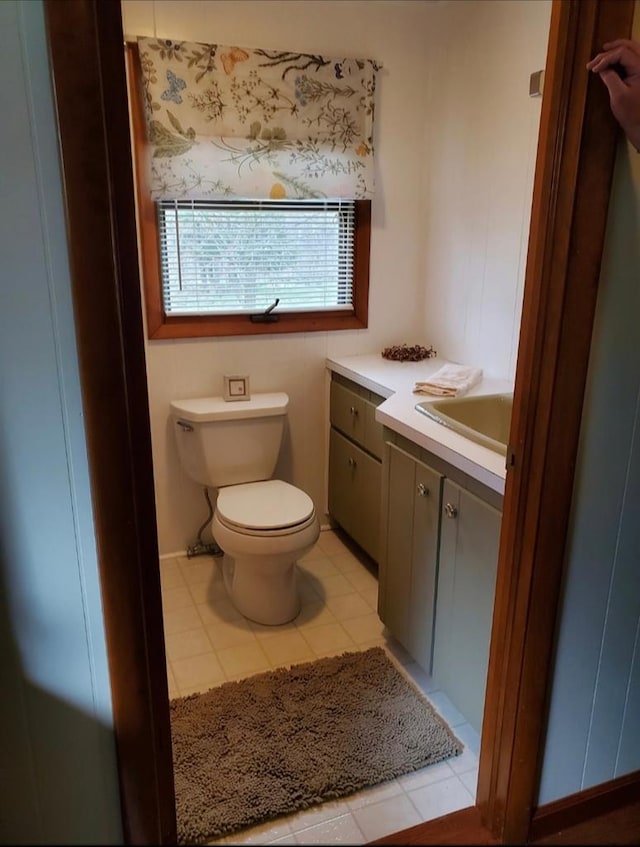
(571, 192)
(572, 186)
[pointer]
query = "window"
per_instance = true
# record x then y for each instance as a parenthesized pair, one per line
(233, 257)
(210, 267)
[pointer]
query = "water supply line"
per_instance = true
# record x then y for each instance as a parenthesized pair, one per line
(202, 548)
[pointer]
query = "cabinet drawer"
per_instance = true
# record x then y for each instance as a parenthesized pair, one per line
(347, 412)
(354, 415)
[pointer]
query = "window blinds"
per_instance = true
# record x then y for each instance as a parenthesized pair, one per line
(229, 257)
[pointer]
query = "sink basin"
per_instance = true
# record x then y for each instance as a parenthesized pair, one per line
(484, 419)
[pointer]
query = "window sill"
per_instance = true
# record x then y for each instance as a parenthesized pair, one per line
(227, 325)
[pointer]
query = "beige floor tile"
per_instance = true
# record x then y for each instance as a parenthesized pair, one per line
(287, 649)
(231, 634)
(328, 638)
(330, 810)
(245, 659)
(347, 562)
(221, 610)
(176, 598)
(440, 798)
(369, 796)
(179, 620)
(310, 590)
(365, 628)
(262, 834)
(391, 815)
(335, 585)
(170, 574)
(470, 781)
(425, 776)
(319, 567)
(362, 580)
(371, 598)
(202, 670)
(331, 543)
(316, 552)
(192, 642)
(342, 830)
(203, 569)
(207, 591)
(314, 614)
(348, 606)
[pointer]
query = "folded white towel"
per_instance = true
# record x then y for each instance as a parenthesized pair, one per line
(450, 381)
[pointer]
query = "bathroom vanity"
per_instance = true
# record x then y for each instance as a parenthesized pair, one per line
(439, 508)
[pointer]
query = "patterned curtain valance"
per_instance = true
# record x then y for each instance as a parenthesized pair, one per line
(237, 122)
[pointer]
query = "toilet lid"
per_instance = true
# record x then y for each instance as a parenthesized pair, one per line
(272, 504)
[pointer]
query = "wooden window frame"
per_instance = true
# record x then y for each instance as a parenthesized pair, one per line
(160, 325)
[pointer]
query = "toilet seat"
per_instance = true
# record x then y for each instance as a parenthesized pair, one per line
(268, 508)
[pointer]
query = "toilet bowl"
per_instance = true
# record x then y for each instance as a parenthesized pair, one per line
(263, 525)
(263, 528)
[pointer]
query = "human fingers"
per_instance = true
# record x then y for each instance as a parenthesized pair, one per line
(622, 42)
(615, 86)
(621, 55)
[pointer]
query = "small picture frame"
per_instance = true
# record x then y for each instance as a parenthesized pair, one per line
(236, 387)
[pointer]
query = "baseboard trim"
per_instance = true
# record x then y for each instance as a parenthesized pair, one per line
(584, 805)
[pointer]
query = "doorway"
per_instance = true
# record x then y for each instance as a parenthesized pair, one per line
(117, 450)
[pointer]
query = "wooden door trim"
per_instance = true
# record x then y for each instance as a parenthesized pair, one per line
(576, 154)
(571, 191)
(87, 62)
(584, 805)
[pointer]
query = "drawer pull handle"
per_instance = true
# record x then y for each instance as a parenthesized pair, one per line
(423, 491)
(354, 411)
(352, 463)
(450, 511)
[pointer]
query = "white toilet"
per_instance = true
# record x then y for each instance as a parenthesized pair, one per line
(263, 525)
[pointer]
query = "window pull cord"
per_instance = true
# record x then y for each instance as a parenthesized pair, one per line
(266, 317)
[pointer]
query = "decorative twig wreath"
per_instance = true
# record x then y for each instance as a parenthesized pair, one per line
(406, 353)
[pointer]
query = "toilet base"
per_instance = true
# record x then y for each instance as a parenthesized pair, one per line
(262, 591)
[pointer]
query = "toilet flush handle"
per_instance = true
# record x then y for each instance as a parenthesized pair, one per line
(184, 426)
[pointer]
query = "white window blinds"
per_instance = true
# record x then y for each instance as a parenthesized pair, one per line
(230, 257)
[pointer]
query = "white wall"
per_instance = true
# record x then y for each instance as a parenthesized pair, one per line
(482, 135)
(417, 292)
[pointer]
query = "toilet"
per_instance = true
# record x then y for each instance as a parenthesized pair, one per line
(262, 525)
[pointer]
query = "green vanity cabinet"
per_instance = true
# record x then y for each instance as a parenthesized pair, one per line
(355, 463)
(469, 540)
(409, 561)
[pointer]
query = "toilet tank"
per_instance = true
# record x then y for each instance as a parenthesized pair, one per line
(227, 443)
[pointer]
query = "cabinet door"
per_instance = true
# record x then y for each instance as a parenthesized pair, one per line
(424, 559)
(408, 579)
(469, 540)
(342, 484)
(354, 492)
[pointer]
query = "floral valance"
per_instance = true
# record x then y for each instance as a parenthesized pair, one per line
(239, 122)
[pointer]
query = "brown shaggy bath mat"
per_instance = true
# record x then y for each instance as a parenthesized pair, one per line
(287, 739)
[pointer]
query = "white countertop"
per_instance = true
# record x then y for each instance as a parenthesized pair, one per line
(395, 381)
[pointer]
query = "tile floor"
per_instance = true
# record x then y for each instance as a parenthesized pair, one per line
(208, 643)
